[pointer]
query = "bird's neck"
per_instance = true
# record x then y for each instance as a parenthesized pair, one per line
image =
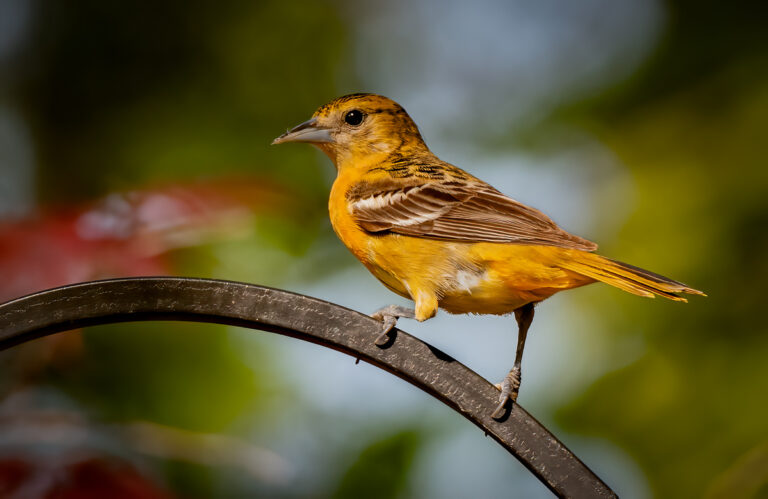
(372, 154)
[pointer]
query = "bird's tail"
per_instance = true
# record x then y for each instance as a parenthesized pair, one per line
(627, 277)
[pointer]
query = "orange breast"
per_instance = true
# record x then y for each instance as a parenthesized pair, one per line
(343, 224)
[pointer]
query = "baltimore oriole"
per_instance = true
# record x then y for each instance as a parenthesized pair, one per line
(435, 234)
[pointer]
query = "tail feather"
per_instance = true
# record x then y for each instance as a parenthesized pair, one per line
(627, 277)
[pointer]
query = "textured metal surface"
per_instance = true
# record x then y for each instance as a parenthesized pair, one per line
(310, 319)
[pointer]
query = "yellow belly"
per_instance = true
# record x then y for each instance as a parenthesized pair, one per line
(480, 278)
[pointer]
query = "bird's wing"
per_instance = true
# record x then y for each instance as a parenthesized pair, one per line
(468, 211)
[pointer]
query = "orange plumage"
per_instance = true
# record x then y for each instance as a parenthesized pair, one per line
(435, 234)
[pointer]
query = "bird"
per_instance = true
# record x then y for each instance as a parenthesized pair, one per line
(441, 237)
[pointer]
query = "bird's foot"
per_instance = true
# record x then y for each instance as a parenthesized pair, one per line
(389, 315)
(509, 388)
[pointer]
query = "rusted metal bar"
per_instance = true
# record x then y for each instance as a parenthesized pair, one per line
(313, 320)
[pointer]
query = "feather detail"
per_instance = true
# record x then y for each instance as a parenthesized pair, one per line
(454, 210)
(626, 277)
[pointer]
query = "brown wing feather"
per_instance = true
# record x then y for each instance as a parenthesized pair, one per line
(456, 211)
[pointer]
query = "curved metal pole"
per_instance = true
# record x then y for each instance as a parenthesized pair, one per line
(309, 319)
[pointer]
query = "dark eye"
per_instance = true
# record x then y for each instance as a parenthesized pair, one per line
(354, 117)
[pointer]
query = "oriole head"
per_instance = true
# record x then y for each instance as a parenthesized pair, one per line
(356, 126)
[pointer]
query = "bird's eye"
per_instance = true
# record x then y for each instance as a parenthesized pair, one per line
(354, 117)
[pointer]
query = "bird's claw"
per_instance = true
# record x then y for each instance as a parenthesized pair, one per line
(509, 389)
(389, 316)
(389, 323)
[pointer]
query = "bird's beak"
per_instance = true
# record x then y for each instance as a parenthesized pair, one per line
(309, 131)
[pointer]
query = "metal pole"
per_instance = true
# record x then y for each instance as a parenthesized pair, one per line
(313, 320)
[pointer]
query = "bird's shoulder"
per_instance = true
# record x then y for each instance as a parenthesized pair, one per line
(417, 165)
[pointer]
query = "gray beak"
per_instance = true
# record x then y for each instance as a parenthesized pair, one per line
(309, 131)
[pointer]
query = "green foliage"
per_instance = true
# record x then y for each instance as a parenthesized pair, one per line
(177, 374)
(692, 407)
(123, 94)
(382, 469)
(189, 480)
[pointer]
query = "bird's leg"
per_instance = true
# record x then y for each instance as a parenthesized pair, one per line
(389, 315)
(511, 384)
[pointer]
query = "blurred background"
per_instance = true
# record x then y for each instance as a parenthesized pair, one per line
(134, 140)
